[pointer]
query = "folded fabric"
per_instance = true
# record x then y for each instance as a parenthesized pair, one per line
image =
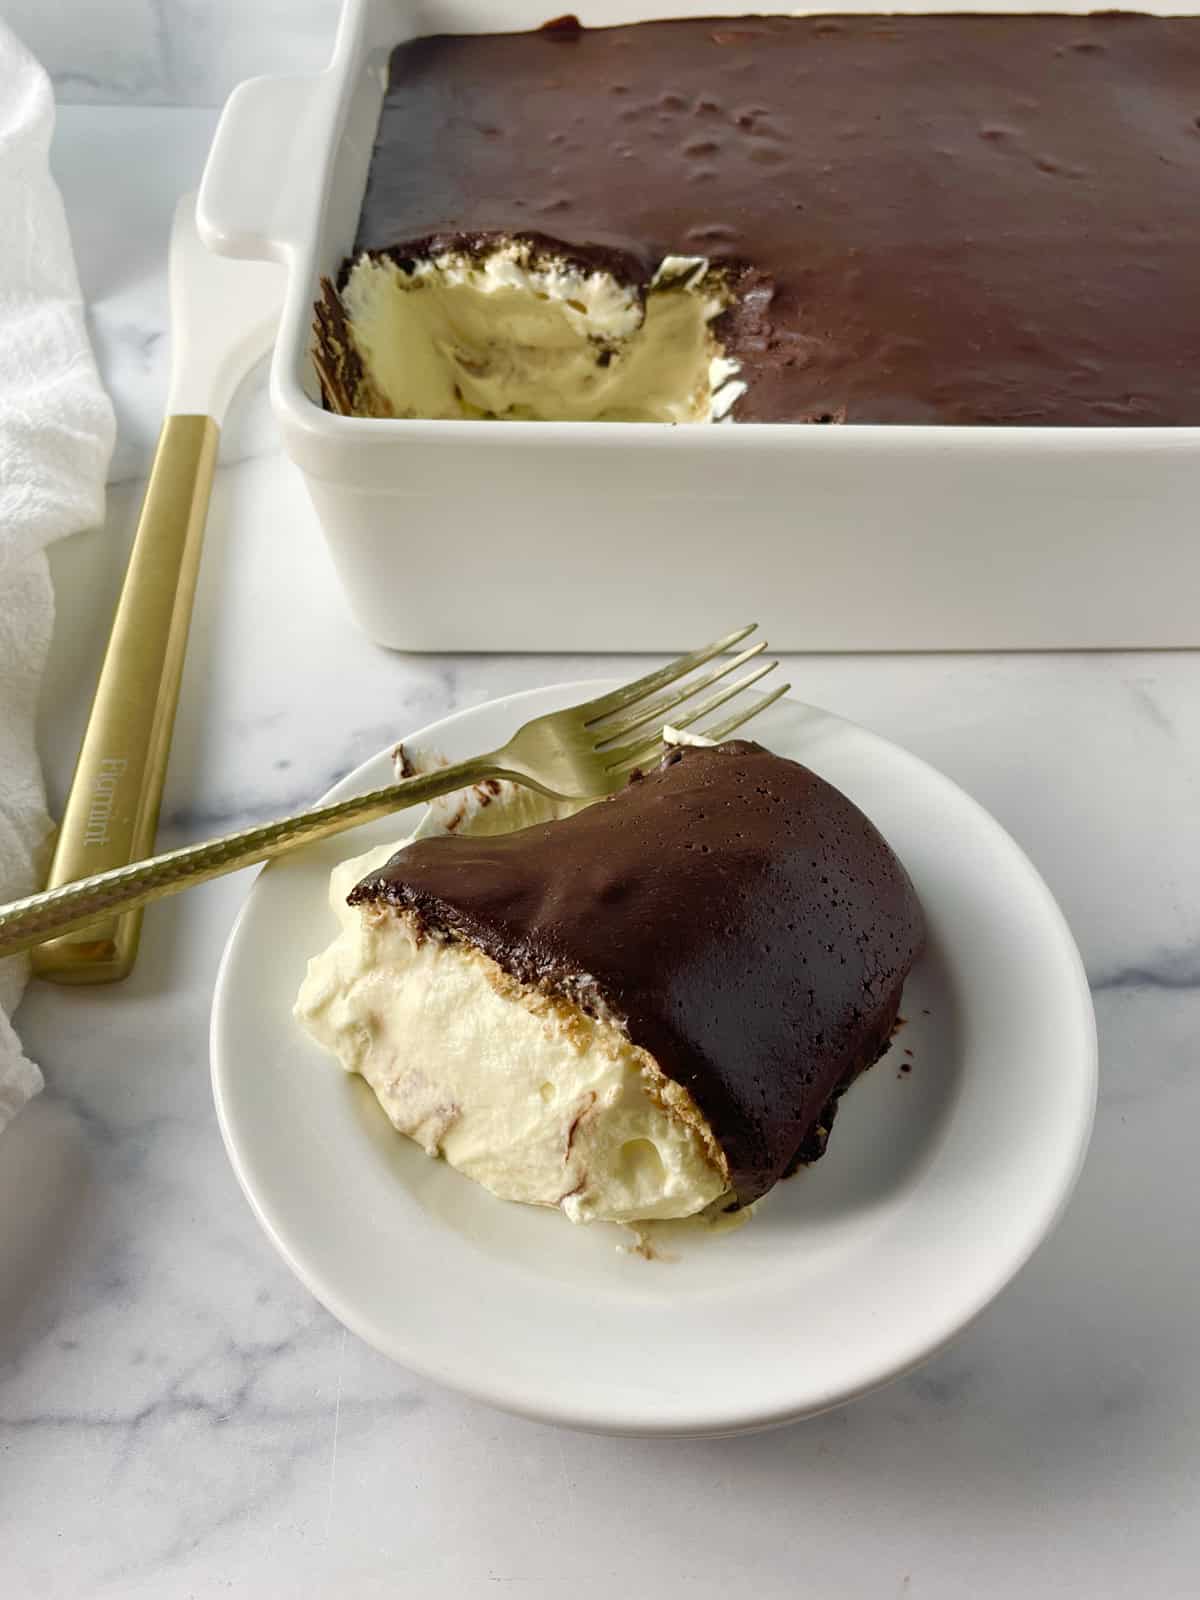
(56, 436)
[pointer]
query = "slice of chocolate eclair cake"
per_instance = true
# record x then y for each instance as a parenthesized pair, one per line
(637, 1010)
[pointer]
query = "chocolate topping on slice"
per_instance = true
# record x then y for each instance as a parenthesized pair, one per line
(745, 921)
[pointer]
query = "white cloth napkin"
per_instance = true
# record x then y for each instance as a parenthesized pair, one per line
(56, 436)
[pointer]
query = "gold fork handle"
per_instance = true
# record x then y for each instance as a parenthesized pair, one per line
(29, 922)
(111, 814)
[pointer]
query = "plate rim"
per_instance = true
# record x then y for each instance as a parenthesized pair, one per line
(612, 1421)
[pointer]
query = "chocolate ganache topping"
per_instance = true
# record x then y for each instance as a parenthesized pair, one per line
(744, 921)
(943, 218)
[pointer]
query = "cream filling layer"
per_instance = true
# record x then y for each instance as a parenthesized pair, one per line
(510, 334)
(524, 1093)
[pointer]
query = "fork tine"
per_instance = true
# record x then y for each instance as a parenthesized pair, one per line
(651, 710)
(638, 749)
(723, 729)
(625, 696)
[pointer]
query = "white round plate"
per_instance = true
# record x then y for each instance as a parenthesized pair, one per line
(938, 1184)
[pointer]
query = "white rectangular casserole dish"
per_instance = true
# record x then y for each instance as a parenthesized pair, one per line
(637, 536)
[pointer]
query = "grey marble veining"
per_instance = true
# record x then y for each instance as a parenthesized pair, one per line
(178, 1417)
(170, 52)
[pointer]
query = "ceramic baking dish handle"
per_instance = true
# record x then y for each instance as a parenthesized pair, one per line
(270, 146)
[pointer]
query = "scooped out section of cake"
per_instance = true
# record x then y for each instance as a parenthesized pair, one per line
(506, 331)
(522, 1092)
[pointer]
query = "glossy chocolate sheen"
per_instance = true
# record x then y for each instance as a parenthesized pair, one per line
(947, 219)
(741, 917)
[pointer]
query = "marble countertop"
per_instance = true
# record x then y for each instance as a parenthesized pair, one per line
(179, 1418)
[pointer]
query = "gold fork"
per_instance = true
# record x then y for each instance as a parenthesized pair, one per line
(584, 752)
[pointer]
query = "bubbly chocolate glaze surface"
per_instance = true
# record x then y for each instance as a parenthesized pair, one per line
(948, 219)
(741, 917)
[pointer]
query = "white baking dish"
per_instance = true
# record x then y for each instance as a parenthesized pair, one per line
(622, 536)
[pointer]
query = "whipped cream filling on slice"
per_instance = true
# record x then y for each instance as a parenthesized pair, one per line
(525, 1093)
